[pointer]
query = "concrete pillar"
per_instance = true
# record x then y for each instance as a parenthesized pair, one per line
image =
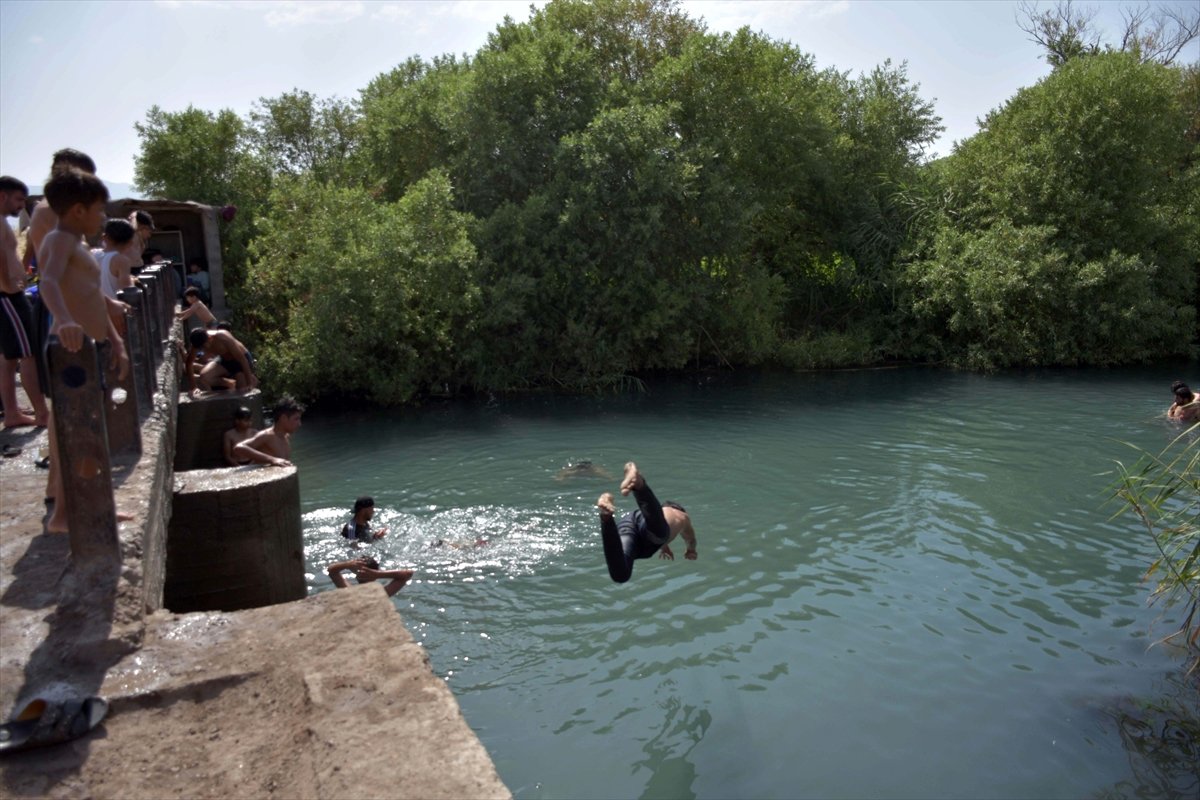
(137, 342)
(154, 318)
(120, 406)
(83, 462)
(202, 424)
(235, 540)
(166, 305)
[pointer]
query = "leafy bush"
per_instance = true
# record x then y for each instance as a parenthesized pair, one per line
(355, 297)
(1008, 296)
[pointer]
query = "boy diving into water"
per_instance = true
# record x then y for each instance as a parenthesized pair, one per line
(641, 533)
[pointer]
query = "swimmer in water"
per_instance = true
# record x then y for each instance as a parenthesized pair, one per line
(457, 546)
(366, 570)
(644, 532)
(581, 469)
(1185, 408)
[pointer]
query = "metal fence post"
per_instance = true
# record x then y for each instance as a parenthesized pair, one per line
(82, 441)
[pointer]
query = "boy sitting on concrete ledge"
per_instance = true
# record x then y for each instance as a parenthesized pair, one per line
(273, 446)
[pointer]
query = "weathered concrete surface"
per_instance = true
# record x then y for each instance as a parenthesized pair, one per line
(202, 423)
(289, 701)
(284, 701)
(235, 539)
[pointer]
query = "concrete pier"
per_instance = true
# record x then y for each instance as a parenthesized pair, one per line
(235, 539)
(284, 701)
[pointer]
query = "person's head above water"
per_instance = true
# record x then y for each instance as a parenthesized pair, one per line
(1182, 393)
(364, 503)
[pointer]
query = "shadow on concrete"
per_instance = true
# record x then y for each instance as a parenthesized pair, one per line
(37, 573)
(71, 661)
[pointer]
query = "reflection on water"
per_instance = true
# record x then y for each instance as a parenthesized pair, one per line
(907, 580)
(1161, 735)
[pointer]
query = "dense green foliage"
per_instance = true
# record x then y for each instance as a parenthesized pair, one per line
(607, 188)
(204, 157)
(359, 297)
(1072, 234)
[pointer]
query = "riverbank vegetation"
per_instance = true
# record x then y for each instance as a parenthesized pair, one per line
(608, 188)
(1163, 492)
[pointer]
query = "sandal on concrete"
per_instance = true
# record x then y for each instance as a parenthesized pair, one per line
(9, 451)
(46, 722)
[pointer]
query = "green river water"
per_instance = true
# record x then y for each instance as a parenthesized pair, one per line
(908, 584)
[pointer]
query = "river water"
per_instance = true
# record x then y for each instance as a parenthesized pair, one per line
(909, 583)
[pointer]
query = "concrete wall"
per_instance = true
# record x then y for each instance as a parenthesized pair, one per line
(202, 425)
(235, 539)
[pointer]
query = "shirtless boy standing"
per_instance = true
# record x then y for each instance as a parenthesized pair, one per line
(17, 331)
(43, 218)
(70, 288)
(273, 446)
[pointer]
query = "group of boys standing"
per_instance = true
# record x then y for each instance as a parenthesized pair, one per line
(76, 297)
(79, 300)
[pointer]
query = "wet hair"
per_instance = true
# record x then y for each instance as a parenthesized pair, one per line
(70, 187)
(284, 406)
(363, 502)
(242, 413)
(1177, 385)
(223, 325)
(370, 562)
(192, 291)
(10, 184)
(70, 157)
(198, 337)
(144, 219)
(1182, 392)
(118, 231)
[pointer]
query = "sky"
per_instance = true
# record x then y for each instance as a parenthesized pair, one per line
(109, 61)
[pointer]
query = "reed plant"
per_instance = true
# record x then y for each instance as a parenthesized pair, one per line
(1163, 491)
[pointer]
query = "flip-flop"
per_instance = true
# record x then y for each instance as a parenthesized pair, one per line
(42, 463)
(45, 722)
(9, 451)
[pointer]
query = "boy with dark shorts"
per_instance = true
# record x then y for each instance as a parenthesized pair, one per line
(17, 327)
(231, 361)
(70, 289)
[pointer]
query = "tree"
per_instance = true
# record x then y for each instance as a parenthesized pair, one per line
(208, 158)
(297, 134)
(357, 298)
(1068, 31)
(413, 121)
(1073, 236)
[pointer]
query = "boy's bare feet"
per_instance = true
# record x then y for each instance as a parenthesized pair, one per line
(633, 478)
(19, 420)
(607, 504)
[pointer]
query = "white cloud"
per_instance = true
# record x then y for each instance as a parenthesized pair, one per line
(730, 15)
(490, 11)
(193, 3)
(392, 12)
(305, 12)
(35, 39)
